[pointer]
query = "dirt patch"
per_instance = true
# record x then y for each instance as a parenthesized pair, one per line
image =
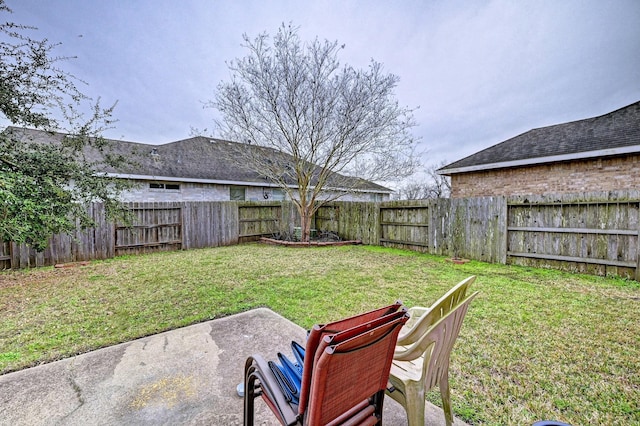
(71, 264)
(273, 241)
(458, 261)
(33, 277)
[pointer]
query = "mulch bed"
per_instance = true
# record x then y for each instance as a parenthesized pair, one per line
(309, 244)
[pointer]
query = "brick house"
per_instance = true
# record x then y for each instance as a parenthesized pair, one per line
(196, 169)
(595, 154)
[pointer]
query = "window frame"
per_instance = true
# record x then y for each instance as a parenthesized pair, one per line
(165, 186)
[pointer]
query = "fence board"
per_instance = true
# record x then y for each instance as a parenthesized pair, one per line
(5, 255)
(210, 224)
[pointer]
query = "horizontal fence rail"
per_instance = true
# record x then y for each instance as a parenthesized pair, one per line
(597, 233)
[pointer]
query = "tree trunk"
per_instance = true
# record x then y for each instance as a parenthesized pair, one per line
(305, 224)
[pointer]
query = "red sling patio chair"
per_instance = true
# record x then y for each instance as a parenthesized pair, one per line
(345, 373)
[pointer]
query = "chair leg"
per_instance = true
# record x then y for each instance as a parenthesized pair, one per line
(446, 398)
(249, 393)
(378, 402)
(415, 404)
(249, 402)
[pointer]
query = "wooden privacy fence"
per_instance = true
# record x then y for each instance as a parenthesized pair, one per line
(156, 227)
(405, 225)
(596, 233)
(592, 233)
(88, 244)
(209, 224)
(5, 255)
(350, 220)
(469, 227)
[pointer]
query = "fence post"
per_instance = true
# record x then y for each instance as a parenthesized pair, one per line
(503, 223)
(637, 274)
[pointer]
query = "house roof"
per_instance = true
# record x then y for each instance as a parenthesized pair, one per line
(612, 134)
(196, 159)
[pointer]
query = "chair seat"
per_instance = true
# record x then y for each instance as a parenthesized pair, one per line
(408, 370)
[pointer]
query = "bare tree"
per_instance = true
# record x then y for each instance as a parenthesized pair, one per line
(439, 185)
(331, 122)
(412, 190)
(433, 186)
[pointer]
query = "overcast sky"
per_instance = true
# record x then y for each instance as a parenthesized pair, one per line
(479, 71)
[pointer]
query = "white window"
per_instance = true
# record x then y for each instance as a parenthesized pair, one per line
(164, 186)
(237, 193)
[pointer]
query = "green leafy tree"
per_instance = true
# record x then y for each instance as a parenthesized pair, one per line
(334, 122)
(45, 188)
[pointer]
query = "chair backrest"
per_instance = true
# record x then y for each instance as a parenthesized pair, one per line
(318, 332)
(350, 371)
(350, 333)
(437, 343)
(418, 325)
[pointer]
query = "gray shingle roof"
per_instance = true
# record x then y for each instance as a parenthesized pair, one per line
(196, 158)
(609, 133)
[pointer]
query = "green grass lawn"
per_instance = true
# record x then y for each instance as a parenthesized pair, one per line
(536, 344)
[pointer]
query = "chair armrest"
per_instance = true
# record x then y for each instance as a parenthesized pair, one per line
(421, 320)
(415, 313)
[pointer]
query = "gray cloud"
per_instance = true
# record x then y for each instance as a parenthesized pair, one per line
(481, 71)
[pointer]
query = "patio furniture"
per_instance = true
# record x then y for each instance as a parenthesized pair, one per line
(345, 373)
(421, 319)
(420, 366)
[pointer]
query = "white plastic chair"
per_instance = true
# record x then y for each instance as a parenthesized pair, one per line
(423, 363)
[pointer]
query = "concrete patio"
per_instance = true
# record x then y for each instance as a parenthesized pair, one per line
(186, 376)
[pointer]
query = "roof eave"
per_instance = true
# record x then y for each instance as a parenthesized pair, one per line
(541, 160)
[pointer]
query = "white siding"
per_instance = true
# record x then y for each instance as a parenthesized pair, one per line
(214, 192)
(187, 192)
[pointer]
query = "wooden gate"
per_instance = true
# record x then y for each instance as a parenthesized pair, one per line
(258, 220)
(405, 225)
(154, 227)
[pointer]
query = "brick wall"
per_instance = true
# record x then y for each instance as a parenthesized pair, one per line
(576, 176)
